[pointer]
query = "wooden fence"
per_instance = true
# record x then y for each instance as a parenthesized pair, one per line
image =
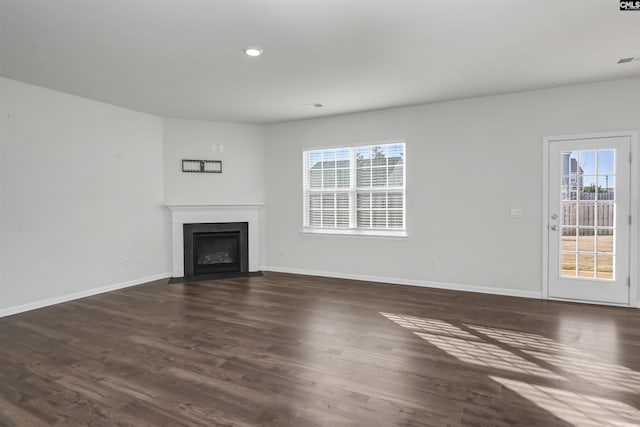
(604, 195)
(588, 214)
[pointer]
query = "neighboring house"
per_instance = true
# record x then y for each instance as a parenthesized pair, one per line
(572, 177)
(339, 164)
(394, 174)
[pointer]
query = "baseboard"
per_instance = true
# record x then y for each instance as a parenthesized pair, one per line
(409, 282)
(82, 294)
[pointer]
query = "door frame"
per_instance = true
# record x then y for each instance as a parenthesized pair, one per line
(633, 205)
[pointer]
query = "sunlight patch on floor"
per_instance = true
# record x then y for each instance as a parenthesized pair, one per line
(522, 340)
(575, 408)
(429, 325)
(484, 354)
(467, 347)
(568, 359)
(606, 375)
(542, 358)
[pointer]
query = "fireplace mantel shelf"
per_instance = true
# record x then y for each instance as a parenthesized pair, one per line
(217, 206)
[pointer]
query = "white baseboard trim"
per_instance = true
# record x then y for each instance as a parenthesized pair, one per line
(409, 282)
(82, 294)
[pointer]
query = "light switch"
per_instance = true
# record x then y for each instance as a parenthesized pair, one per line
(221, 148)
(516, 212)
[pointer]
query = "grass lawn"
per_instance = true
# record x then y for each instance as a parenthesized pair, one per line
(586, 262)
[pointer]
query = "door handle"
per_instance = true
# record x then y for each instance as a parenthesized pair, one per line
(554, 227)
(554, 216)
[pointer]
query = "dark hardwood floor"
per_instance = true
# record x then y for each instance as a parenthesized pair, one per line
(288, 350)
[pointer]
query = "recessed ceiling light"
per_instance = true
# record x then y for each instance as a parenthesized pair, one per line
(253, 51)
(315, 105)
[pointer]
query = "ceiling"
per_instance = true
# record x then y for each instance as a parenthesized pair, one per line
(184, 58)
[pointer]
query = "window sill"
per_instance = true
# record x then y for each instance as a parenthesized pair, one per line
(372, 234)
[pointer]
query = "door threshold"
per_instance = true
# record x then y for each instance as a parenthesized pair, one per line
(579, 301)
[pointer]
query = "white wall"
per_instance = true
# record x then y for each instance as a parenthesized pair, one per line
(242, 180)
(242, 177)
(81, 195)
(81, 187)
(468, 162)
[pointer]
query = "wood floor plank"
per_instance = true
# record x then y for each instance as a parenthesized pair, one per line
(291, 350)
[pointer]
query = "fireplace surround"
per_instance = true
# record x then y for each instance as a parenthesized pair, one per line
(202, 214)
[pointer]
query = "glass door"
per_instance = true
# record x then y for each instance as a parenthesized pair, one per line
(588, 219)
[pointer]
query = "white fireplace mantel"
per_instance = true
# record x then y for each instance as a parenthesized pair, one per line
(194, 214)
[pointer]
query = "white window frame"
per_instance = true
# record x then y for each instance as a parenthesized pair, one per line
(352, 190)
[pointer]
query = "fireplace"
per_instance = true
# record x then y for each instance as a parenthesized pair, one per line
(213, 214)
(214, 248)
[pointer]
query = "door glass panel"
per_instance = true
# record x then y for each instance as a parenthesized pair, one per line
(606, 185)
(605, 241)
(586, 264)
(606, 162)
(569, 175)
(587, 217)
(587, 162)
(605, 267)
(606, 214)
(586, 214)
(587, 187)
(564, 185)
(569, 239)
(569, 213)
(586, 240)
(568, 264)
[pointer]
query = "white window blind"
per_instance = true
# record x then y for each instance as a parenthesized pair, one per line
(355, 188)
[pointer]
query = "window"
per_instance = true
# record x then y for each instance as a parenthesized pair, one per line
(355, 190)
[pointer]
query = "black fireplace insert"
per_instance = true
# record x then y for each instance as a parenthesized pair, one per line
(211, 248)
